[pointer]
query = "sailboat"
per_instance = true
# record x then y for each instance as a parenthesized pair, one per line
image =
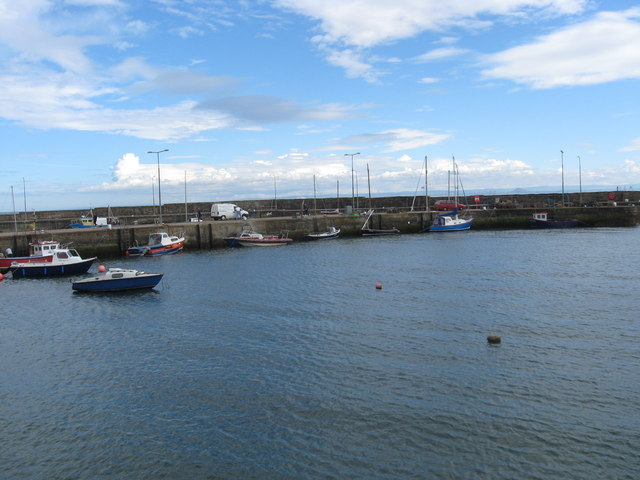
(366, 230)
(452, 222)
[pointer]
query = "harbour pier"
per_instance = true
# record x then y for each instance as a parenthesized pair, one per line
(208, 234)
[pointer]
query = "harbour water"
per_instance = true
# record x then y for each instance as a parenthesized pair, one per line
(289, 363)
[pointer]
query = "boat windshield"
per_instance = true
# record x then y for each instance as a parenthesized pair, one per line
(155, 238)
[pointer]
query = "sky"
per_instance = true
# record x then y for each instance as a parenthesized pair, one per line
(258, 99)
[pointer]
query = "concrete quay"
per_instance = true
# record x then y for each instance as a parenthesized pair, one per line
(110, 242)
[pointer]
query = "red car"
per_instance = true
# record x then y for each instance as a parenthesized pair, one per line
(448, 205)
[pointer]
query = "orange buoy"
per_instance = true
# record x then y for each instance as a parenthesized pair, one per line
(1, 277)
(495, 339)
(102, 269)
(378, 286)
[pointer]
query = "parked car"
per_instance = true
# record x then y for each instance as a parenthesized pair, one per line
(448, 205)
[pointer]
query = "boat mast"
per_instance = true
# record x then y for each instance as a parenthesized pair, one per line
(369, 182)
(15, 219)
(315, 204)
(562, 169)
(185, 196)
(455, 180)
(580, 176)
(426, 177)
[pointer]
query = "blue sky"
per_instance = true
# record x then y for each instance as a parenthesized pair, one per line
(250, 94)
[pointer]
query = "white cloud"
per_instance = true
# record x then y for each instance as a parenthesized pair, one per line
(40, 30)
(63, 101)
(353, 64)
(634, 147)
(439, 54)
(366, 23)
(349, 27)
(600, 50)
(129, 172)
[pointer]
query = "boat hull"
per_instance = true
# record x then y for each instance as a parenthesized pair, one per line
(553, 223)
(153, 250)
(451, 223)
(165, 249)
(46, 269)
(263, 242)
(323, 235)
(6, 262)
(450, 228)
(140, 282)
(373, 232)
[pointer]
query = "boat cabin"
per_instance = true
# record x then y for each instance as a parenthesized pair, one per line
(162, 238)
(43, 248)
(541, 217)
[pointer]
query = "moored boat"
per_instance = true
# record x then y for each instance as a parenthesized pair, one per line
(249, 238)
(451, 222)
(333, 232)
(38, 252)
(118, 280)
(367, 231)
(542, 220)
(93, 221)
(63, 262)
(160, 243)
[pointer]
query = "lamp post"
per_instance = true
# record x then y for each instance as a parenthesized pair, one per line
(159, 192)
(353, 196)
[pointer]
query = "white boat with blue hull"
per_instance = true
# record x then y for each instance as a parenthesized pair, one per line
(63, 261)
(118, 280)
(450, 222)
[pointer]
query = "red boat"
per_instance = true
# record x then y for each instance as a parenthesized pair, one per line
(38, 252)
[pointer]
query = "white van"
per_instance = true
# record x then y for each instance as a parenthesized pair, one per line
(224, 211)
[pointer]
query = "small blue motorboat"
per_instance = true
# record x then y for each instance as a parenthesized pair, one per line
(118, 280)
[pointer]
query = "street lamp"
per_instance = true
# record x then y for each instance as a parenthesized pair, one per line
(352, 180)
(159, 193)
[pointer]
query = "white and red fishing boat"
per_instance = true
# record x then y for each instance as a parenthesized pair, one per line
(62, 261)
(160, 243)
(38, 252)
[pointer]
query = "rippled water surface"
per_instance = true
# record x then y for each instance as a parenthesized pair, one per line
(288, 363)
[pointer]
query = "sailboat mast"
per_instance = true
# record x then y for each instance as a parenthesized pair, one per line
(426, 183)
(185, 196)
(369, 182)
(562, 167)
(315, 205)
